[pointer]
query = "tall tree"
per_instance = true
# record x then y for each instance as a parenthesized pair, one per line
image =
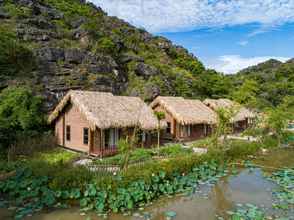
(247, 93)
(20, 113)
(278, 118)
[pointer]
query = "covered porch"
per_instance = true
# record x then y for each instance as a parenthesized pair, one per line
(104, 142)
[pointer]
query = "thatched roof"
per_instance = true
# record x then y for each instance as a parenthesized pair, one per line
(242, 113)
(104, 110)
(186, 111)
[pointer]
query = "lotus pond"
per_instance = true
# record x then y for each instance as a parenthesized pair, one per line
(260, 191)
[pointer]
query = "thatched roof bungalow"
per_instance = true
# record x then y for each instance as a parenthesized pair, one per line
(241, 119)
(187, 119)
(94, 121)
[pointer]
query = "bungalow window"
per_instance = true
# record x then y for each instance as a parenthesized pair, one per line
(86, 136)
(111, 137)
(168, 129)
(186, 130)
(68, 132)
(143, 136)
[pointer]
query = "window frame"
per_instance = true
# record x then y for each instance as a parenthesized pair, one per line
(168, 128)
(68, 133)
(85, 136)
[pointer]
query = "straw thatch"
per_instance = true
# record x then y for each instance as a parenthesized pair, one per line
(186, 111)
(104, 110)
(242, 114)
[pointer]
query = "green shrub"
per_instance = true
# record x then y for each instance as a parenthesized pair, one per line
(241, 149)
(71, 8)
(141, 154)
(57, 155)
(269, 141)
(106, 45)
(16, 59)
(20, 115)
(17, 11)
(174, 150)
(28, 145)
(204, 143)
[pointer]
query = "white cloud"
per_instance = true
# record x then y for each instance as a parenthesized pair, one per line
(230, 64)
(175, 15)
(243, 43)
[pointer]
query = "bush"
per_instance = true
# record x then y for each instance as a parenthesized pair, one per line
(203, 143)
(269, 141)
(32, 144)
(20, 115)
(174, 150)
(141, 154)
(241, 149)
(15, 58)
(106, 45)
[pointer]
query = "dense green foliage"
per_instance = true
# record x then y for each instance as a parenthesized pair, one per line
(20, 115)
(170, 69)
(269, 83)
(15, 58)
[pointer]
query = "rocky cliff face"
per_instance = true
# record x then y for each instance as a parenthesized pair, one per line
(75, 45)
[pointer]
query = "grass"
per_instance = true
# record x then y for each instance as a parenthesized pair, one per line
(203, 143)
(142, 154)
(57, 155)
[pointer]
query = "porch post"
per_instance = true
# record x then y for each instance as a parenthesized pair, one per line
(91, 141)
(102, 141)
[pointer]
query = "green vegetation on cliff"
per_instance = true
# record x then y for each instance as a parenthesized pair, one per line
(57, 45)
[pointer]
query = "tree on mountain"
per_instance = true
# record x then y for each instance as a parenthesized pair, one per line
(15, 58)
(247, 93)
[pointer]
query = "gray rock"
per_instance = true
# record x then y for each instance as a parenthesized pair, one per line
(126, 58)
(79, 33)
(101, 64)
(50, 54)
(145, 70)
(28, 33)
(47, 11)
(164, 44)
(77, 22)
(153, 91)
(27, 3)
(48, 68)
(74, 56)
(40, 22)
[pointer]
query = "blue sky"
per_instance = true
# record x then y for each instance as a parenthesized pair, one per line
(227, 35)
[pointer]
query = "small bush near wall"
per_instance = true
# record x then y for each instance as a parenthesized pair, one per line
(29, 145)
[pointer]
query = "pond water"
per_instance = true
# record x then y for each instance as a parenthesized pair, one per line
(248, 186)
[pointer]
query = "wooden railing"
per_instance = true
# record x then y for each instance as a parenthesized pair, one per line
(109, 151)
